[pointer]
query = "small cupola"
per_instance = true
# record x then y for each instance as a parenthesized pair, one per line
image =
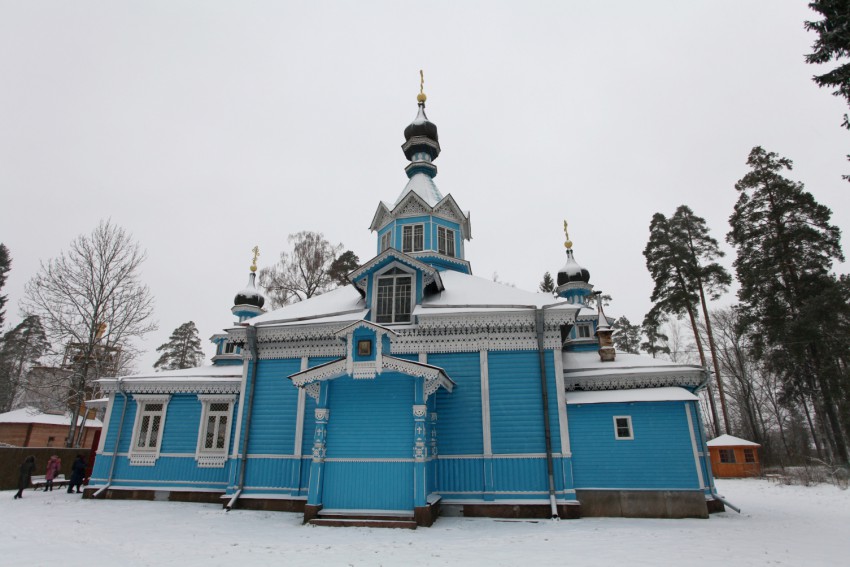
(249, 301)
(573, 280)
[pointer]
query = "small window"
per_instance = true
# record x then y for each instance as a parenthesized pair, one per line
(623, 427)
(214, 432)
(413, 238)
(229, 348)
(583, 331)
(749, 456)
(50, 441)
(727, 456)
(446, 241)
(386, 240)
(395, 290)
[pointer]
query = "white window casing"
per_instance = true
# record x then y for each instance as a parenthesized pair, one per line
(214, 429)
(623, 427)
(412, 238)
(394, 295)
(446, 241)
(146, 443)
(386, 240)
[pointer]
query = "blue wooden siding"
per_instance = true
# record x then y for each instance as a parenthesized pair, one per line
(516, 412)
(660, 456)
(459, 412)
(370, 419)
(275, 406)
(368, 485)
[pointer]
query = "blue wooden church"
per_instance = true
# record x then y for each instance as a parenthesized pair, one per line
(417, 390)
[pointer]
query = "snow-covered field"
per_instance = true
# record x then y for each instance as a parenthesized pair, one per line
(780, 525)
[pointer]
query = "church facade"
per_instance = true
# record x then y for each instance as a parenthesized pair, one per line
(418, 389)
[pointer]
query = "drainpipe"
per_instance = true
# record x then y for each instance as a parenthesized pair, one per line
(538, 312)
(251, 335)
(117, 439)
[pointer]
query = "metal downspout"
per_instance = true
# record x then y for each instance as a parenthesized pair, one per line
(117, 440)
(251, 336)
(550, 469)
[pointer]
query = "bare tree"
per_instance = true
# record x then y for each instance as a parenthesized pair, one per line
(302, 273)
(91, 302)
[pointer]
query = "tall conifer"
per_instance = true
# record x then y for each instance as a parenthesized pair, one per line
(183, 349)
(794, 307)
(5, 266)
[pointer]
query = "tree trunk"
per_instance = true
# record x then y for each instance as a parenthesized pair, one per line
(702, 362)
(714, 357)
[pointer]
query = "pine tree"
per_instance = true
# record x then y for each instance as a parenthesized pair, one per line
(656, 341)
(21, 348)
(5, 266)
(343, 265)
(679, 257)
(832, 44)
(794, 308)
(547, 284)
(183, 349)
(627, 336)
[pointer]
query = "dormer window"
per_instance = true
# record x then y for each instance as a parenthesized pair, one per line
(394, 296)
(386, 240)
(412, 238)
(583, 331)
(446, 241)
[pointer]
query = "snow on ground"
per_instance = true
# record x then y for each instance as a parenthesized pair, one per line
(780, 525)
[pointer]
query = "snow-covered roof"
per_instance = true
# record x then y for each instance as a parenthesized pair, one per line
(341, 304)
(424, 186)
(585, 371)
(228, 371)
(667, 394)
(465, 293)
(223, 379)
(32, 415)
(727, 440)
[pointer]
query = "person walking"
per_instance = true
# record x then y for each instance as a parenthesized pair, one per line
(53, 466)
(78, 474)
(25, 475)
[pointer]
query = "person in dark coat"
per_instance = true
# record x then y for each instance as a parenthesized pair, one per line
(25, 477)
(78, 474)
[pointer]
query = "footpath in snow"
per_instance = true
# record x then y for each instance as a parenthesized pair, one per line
(780, 525)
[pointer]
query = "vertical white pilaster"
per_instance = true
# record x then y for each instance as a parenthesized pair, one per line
(694, 445)
(485, 403)
(299, 414)
(242, 390)
(563, 424)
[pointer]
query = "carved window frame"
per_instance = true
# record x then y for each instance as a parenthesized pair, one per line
(386, 240)
(147, 453)
(214, 457)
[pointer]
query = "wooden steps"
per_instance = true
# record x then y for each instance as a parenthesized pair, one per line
(365, 519)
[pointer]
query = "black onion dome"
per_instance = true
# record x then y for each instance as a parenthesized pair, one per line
(421, 136)
(250, 295)
(572, 272)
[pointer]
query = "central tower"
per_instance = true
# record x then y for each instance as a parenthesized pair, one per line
(421, 222)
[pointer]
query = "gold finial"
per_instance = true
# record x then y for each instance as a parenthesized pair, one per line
(567, 243)
(421, 96)
(256, 251)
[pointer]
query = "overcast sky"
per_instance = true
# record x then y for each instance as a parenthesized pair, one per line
(205, 128)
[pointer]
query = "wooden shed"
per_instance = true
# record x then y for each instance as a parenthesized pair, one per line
(29, 427)
(732, 457)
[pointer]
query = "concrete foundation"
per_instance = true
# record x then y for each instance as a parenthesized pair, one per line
(643, 503)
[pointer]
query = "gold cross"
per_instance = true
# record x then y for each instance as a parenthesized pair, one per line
(256, 251)
(567, 243)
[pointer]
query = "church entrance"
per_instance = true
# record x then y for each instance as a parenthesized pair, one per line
(369, 462)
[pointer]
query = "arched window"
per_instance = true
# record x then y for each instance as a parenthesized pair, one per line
(394, 297)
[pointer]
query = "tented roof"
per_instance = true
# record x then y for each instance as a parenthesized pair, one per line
(727, 440)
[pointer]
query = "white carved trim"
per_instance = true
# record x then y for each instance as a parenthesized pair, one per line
(631, 381)
(145, 457)
(420, 410)
(176, 386)
(213, 458)
(299, 413)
